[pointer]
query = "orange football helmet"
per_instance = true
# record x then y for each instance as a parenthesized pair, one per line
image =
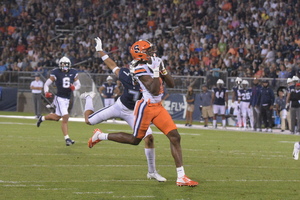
(140, 49)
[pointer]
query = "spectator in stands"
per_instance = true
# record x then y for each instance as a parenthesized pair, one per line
(226, 24)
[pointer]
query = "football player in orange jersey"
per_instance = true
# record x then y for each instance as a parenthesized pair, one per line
(150, 73)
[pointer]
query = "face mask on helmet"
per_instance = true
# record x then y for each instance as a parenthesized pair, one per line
(64, 64)
(238, 81)
(245, 84)
(141, 50)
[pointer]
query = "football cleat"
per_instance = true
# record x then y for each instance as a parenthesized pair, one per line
(69, 142)
(94, 139)
(156, 176)
(84, 95)
(185, 181)
(38, 123)
(296, 151)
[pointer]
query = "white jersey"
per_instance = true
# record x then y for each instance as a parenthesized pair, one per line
(141, 70)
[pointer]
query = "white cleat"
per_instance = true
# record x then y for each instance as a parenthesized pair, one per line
(296, 151)
(84, 95)
(156, 176)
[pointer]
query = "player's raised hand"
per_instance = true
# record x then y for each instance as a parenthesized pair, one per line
(155, 66)
(98, 46)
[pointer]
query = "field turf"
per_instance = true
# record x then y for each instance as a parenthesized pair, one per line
(36, 164)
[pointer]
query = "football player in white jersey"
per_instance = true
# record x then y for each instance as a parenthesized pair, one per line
(150, 73)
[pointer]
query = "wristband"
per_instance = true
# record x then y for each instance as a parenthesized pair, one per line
(164, 72)
(104, 57)
(115, 69)
(156, 74)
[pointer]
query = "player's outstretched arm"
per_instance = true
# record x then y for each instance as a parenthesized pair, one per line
(107, 60)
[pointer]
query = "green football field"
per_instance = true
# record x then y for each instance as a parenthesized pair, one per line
(36, 164)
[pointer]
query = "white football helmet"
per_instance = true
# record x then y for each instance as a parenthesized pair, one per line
(109, 78)
(220, 81)
(295, 78)
(245, 83)
(64, 64)
(238, 80)
(289, 80)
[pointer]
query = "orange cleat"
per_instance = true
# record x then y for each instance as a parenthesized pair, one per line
(185, 181)
(94, 139)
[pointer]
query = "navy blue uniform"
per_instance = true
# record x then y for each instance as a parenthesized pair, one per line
(290, 88)
(131, 91)
(63, 81)
(219, 96)
(109, 89)
(245, 95)
(235, 90)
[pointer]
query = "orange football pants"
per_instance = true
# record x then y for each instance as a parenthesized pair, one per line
(145, 113)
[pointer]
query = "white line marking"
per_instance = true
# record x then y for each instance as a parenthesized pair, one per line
(14, 123)
(291, 142)
(14, 185)
(197, 127)
(133, 197)
(55, 188)
(93, 192)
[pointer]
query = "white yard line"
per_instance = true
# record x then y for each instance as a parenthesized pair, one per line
(14, 123)
(93, 192)
(78, 119)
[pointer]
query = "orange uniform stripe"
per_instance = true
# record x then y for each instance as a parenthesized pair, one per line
(139, 71)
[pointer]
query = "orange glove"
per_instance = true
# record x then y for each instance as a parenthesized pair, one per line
(48, 95)
(72, 87)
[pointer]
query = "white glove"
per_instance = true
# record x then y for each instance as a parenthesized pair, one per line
(132, 66)
(98, 46)
(156, 61)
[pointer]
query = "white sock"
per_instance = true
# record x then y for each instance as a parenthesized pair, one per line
(43, 118)
(66, 137)
(102, 136)
(214, 123)
(224, 122)
(180, 172)
(150, 155)
(89, 104)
